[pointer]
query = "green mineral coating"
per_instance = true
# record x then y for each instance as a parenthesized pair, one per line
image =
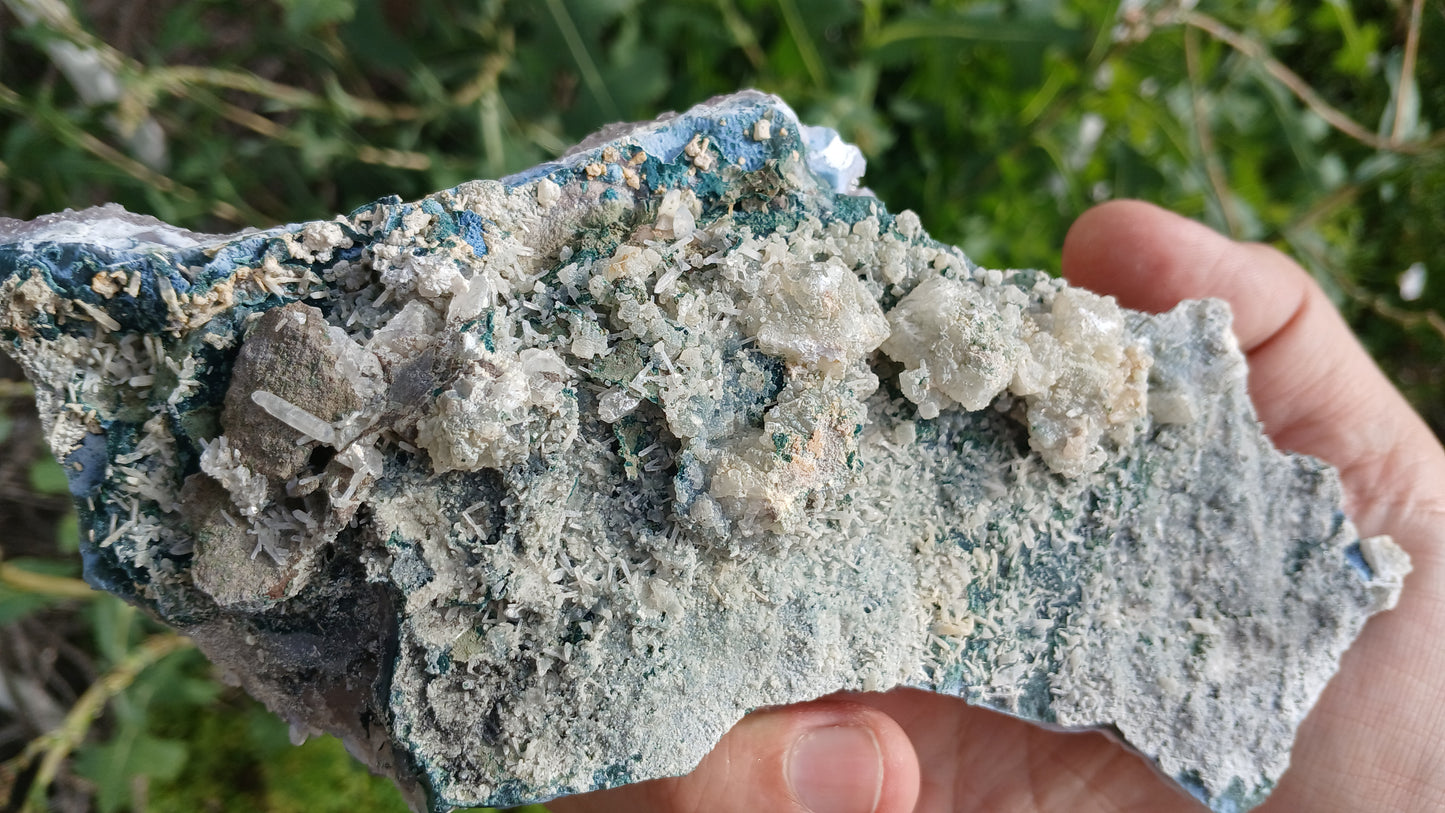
(597, 458)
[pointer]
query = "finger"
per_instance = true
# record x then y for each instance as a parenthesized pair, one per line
(1150, 259)
(1315, 388)
(827, 756)
(976, 759)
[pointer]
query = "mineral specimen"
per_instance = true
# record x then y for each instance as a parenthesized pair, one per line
(536, 486)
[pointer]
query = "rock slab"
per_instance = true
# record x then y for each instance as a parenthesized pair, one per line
(536, 486)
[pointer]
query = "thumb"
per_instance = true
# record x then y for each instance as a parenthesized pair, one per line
(827, 756)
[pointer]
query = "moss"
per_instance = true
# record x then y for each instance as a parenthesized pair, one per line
(240, 760)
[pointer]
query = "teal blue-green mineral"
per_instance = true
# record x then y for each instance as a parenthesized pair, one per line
(536, 486)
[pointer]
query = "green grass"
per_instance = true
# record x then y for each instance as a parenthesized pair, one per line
(998, 122)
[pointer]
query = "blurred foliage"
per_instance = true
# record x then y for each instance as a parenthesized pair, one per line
(241, 760)
(999, 122)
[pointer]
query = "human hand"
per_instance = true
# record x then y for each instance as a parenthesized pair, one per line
(1375, 741)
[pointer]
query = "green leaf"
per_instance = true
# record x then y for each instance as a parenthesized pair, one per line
(15, 605)
(974, 28)
(308, 15)
(113, 623)
(114, 766)
(46, 567)
(48, 477)
(67, 533)
(181, 681)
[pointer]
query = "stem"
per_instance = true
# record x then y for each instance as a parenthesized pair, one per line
(1407, 68)
(54, 747)
(68, 132)
(16, 389)
(1302, 90)
(742, 33)
(178, 79)
(97, 72)
(42, 584)
(803, 40)
(580, 55)
(1212, 166)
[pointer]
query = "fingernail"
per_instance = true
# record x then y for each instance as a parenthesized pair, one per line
(837, 769)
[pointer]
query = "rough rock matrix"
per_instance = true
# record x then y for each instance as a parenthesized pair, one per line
(537, 485)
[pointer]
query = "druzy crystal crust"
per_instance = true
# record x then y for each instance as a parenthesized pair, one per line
(536, 486)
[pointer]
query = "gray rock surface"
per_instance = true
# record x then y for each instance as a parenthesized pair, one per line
(537, 485)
